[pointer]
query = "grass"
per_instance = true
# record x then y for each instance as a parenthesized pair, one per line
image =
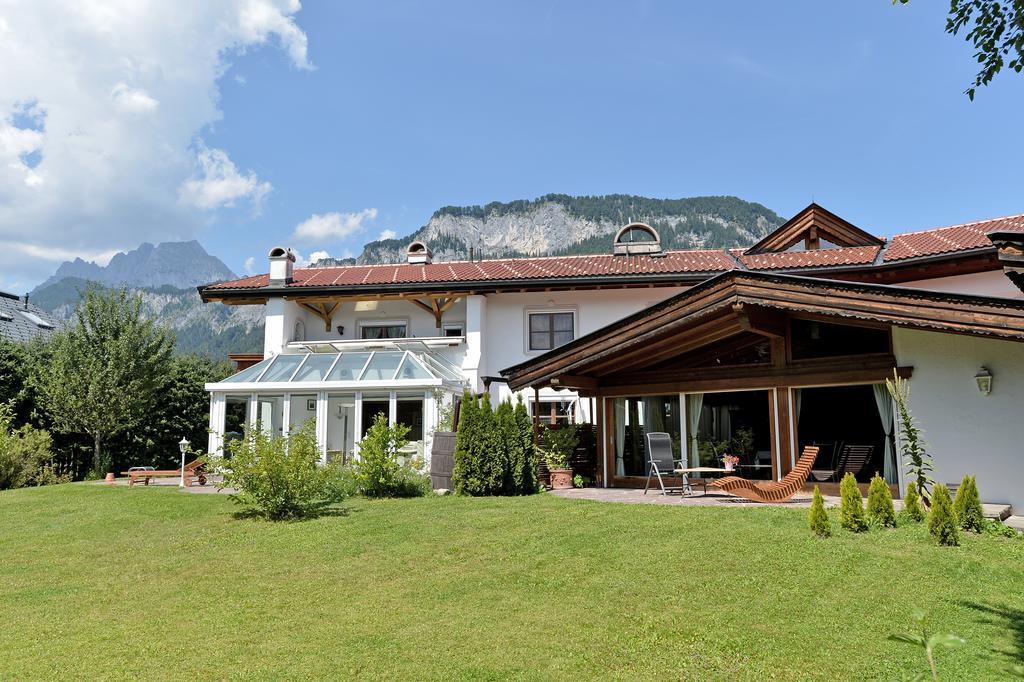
(101, 582)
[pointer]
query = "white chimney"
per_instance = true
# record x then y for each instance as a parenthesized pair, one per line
(419, 253)
(282, 263)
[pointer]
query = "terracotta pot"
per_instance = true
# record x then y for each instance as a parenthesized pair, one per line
(561, 479)
(110, 478)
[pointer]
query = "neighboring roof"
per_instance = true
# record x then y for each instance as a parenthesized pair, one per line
(21, 323)
(955, 238)
(670, 267)
(633, 337)
(815, 223)
(1010, 246)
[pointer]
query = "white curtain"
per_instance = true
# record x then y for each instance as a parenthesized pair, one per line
(620, 436)
(694, 402)
(885, 413)
(654, 415)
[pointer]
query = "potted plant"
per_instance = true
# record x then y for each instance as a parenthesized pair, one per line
(559, 444)
(730, 461)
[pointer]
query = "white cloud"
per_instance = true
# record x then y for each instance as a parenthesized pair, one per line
(317, 255)
(333, 225)
(388, 234)
(218, 183)
(250, 264)
(132, 101)
(102, 112)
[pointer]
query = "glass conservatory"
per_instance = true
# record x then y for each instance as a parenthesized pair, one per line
(343, 386)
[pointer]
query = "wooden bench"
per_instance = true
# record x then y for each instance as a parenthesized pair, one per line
(193, 472)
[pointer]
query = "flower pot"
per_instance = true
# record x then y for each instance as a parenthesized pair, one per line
(729, 466)
(561, 479)
(110, 478)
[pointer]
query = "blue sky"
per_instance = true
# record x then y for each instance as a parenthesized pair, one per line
(410, 106)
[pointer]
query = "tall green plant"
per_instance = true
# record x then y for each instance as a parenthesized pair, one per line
(524, 424)
(967, 506)
(880, 507)
(915, 455)
(378, 471)
(104, 370)
(510, 451)
(466, 476)
(851, 505)
(942, 519)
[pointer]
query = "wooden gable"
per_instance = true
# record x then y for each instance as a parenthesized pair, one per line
(811, 226)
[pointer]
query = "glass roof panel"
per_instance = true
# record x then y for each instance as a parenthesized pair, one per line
(382, 366)
(412, 369)
(282, 368)
(315, 368)
(349, 366)
(250, 373)
(441, 368)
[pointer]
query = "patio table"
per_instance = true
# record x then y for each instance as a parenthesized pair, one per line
(687, 490)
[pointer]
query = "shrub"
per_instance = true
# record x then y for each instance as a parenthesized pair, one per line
(23, 450)
(942, 518)
(967, 506)
(378, 471)
(281, 478)
(559, 444)
(912, 504)
(851, 507)
(494, 453)
(880, 507)
(47, 475)
(818, 517)
(528, 461)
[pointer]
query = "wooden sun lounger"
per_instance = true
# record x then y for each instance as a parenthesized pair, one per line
(771, 491)
(193, 472)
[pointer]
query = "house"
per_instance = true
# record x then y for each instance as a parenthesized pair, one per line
(758, 350)
(20, 321)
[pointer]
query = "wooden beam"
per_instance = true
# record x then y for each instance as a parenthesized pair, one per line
(763, 321)
(573, 381)
(322, 310)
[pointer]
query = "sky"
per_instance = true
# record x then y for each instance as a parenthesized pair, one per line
(252, 123)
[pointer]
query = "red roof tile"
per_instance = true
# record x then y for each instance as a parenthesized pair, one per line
(501, 269)
(854, 255)
(949, 239)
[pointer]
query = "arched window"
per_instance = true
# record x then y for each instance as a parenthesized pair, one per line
(637, 238)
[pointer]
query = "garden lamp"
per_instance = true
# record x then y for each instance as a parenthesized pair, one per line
(183, 446)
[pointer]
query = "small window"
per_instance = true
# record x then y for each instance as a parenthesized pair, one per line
(550, 330)
(453, 329)
(388, 330)
(36, 320)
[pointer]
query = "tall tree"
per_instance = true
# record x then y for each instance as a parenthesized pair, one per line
(996, 30)
(104, 369)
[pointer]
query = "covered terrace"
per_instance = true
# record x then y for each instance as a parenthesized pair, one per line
(760, 365)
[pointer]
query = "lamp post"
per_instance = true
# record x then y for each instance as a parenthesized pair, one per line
(183, 446)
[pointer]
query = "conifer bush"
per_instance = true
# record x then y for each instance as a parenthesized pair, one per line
(494, 453)
(880, 507)
(912, 508)
(818, 517)
(967, 506)
(942, 519)
(851, 507)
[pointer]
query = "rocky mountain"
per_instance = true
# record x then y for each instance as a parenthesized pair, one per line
(177, 264)
(212, 330)
(558, 224)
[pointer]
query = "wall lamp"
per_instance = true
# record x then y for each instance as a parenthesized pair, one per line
(341, 330)
(984, 380)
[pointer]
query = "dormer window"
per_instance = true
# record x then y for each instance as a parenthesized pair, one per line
(637, 238)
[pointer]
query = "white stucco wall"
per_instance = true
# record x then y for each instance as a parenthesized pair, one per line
(993, 283)
(969, 433)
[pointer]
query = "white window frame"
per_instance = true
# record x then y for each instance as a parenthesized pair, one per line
(382, 322)
(573, 310)
(455, 324)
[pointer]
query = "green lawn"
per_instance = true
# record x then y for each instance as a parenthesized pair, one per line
(154, 583)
